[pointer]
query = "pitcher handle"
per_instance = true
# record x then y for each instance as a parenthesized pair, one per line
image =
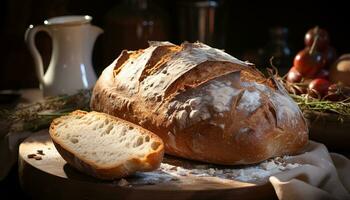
(29, 38)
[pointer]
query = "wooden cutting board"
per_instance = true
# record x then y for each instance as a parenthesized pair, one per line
(50, 177)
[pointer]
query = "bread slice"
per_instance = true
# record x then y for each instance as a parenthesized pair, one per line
(104, 146)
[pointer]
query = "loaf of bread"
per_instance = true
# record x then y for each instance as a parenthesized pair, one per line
(205, 104)
(104, 146)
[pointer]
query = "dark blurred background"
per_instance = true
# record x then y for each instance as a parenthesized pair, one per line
(247, 30)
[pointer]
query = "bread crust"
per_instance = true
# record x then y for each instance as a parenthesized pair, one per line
(148, 163)
(205, 104)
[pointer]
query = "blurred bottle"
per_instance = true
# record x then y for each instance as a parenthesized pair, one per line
(278, 48)
(199, 20)
(130, 25)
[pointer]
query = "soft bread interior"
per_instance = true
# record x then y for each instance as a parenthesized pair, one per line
(102, 140)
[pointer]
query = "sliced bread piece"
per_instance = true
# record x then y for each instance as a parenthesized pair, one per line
(104, 146)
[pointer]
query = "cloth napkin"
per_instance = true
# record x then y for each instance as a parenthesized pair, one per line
(322, 175)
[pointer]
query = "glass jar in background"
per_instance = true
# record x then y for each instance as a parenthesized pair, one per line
(198, 20)
(130, 25)
(278, 48)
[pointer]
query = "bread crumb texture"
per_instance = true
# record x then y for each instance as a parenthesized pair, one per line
(102, 140)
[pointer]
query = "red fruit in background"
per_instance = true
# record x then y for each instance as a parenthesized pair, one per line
(294, 76)
(322, 41)
(338, 92)
(330, 55)
(323, 73)
(309, 63)
(333, 88)
(319, 85)
(333, 93)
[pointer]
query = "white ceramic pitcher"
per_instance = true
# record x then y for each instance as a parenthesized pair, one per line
(70, 67)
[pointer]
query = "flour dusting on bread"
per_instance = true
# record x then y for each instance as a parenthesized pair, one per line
(190, 56)
(205, 104)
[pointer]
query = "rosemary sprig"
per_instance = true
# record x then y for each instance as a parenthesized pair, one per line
(34, 116)
(307, 103)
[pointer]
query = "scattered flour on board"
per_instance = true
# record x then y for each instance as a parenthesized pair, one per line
(250, 173)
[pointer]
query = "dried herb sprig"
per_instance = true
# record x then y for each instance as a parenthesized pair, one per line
(306, 102)
(34, 116)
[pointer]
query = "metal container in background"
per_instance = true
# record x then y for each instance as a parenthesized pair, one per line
(197, 21)
(130, 24)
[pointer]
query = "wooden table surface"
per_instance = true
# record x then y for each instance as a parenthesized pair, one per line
(52, 178)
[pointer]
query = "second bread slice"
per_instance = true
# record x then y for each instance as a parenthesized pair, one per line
(105, 147)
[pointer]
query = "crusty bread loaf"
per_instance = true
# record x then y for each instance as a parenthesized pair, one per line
(104, 146)
(205, 104)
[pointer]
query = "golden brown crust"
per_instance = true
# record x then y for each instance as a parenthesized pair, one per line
(200, 75)
(150, 162)
(205, 105)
